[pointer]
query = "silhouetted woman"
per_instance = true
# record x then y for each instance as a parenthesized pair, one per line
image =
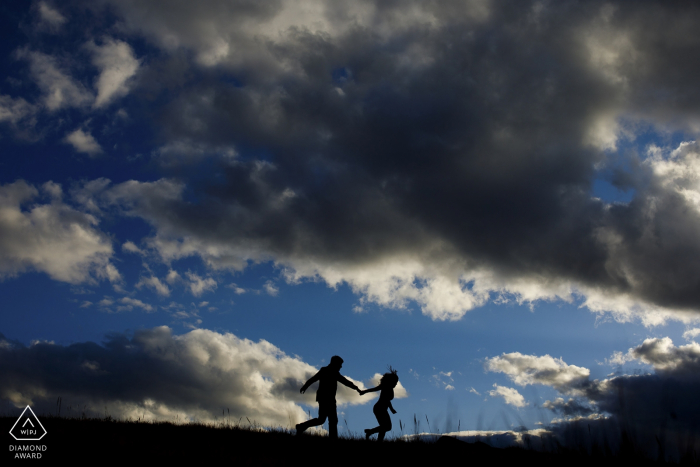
(386, 386)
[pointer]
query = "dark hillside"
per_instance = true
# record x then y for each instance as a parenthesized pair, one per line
(94, 440)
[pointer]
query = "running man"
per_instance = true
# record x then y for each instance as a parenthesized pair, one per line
(327, 378)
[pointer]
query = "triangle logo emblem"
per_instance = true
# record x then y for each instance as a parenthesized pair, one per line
(28, 427)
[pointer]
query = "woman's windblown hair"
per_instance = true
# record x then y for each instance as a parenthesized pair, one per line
(389, 378)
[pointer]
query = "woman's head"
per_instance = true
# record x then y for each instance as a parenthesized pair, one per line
(390, 378)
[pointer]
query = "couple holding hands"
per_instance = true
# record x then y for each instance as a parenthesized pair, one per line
(327, 378)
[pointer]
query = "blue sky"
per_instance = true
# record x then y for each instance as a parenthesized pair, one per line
(200, 204)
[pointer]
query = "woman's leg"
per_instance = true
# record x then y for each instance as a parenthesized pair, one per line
(377, 413)
(384, 423)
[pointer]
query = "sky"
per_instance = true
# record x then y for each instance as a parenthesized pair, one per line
(202, 202)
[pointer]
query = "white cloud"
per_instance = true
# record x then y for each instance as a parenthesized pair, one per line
(13, 110)
(691, 334)
(192, 376)
(678, 169)
(524, 370)
(117, 64)
(199, 285)
(618, 358)
(394, 282)
(58, 87)
(400, 391)
(661, 354)
(129, 303)
(237, 290)
(83, 142)
(53, 238)
(50, 17)
(443, 378)
(510, 395)
(271, 288)
(172, 277)
(529, 439)
(474, 391)
(154, 283)
(132, 248)
(664, 356)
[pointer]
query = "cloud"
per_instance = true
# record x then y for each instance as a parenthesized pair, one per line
(525, 370)
(157, 375)
(84, 142)
(59, 89)
(570, 408)
(237, 290)
(132, 248)
(13, 110)
(691, 334)
(378, 146)
(271, 288)
(400, 391)
(20, 116)
(106, 302)
(51, 237)
(510, 396)
(117, 64)
(666, 357)
(198, 285)
(173, 277)
(661, 355)
(666, 398)
(184, 152)
(444, 379)
(129, 303)
(154, 283)
(50, 18)
(617, 358)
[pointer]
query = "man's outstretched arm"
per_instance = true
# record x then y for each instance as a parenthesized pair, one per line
(311, 381)
(346, 382)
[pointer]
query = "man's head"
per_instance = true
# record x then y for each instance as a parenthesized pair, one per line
(336, 362)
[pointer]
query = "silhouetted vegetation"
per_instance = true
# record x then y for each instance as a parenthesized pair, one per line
(92, 440)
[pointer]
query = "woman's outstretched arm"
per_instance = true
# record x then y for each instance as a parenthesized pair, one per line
(370, 390)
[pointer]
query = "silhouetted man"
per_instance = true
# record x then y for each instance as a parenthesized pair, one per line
(327, 378)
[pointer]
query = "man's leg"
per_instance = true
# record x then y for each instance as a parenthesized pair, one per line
(332, 421)
(301, 427)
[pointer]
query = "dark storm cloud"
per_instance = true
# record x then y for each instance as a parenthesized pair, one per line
(157, 375)
(569, 408)
(430, 152)
(661, 404)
